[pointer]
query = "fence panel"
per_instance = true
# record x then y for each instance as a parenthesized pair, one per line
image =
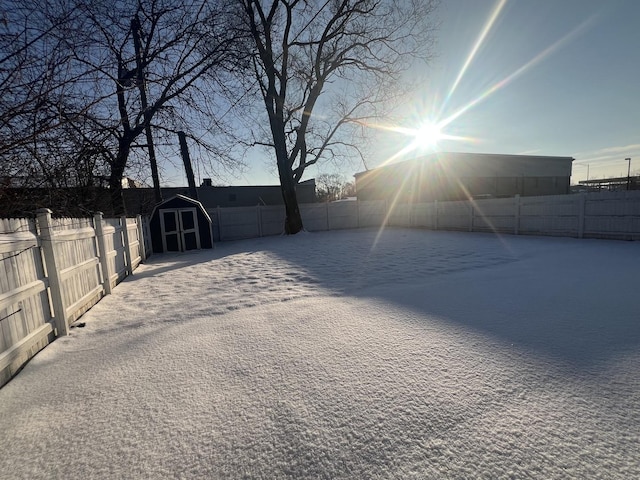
(135, 242)
(372, 213)
(76, 254)
(613, 215)
(25, 315)
(494, 215)
(603, 215)
(145, 228)
(34, 293)
(238, 223)
(114, 245)
(550, 215)
(423, 215)
(497, 207)
(342, 215)
(399, 215)
(315, 216)
(272, 220)
(454, 215)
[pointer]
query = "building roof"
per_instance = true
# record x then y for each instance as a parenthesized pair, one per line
(487, 165)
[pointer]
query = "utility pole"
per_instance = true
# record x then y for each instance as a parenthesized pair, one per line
(184, 150)
(135, 31)
(628, 173)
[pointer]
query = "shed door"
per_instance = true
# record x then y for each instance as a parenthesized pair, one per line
(179, 229)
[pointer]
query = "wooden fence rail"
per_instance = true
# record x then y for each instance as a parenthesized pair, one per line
(54, 270)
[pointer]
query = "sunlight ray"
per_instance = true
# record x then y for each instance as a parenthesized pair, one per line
(531, 63)
(485, 31)
(474, 204)
(397, 155)
(391, 207)
(438, 126)
(458, 138)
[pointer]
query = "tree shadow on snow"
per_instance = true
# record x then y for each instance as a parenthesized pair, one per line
(569, 299)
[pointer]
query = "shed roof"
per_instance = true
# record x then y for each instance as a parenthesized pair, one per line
(181, 198)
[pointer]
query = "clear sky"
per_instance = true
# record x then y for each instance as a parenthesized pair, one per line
(544, 77)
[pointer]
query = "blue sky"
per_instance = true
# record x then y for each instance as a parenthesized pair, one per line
(551, 77)
(578, 96)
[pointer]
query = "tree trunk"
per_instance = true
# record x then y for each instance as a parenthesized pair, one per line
(135, 31)
(115, 188)
(293, 221)
(115, 179)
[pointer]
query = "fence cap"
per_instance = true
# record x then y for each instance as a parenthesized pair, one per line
(42, 211)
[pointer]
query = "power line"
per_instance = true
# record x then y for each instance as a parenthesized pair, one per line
(18, 253)
(11, 314)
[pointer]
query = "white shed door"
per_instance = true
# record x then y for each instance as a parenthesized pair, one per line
(179, 228)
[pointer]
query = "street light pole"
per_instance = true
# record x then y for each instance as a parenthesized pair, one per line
(583, 165)
(628, 173)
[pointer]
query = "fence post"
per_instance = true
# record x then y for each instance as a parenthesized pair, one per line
(102, 253)
(357, 213)
(471, 215)
(410, 204)
(125, 238)
(218, 213)
(259, 218)
(326, 209)
(516, 219)
(142, 250)
(435, 216)
(146, 227)
(55, 283)
(387, 213)
(582, 202)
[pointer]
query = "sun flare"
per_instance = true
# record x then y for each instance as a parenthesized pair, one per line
(427, 135)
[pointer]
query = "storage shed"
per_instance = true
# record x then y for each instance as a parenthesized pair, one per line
(178, 224)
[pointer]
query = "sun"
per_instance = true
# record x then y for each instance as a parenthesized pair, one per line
(427, 135)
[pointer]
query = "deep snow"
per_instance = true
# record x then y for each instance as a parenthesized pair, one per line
(417, 354)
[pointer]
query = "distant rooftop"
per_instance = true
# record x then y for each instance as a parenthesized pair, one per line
(492, 164)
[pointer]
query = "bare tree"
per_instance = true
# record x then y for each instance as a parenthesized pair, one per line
(323, 68)
(84, 84)
(150, 62)
(331, 187)
(32, 78)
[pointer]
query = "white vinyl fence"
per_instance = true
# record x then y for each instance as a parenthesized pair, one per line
(614, 215)
(54, 270)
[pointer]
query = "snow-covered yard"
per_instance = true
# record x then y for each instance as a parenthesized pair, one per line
(342, 355)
